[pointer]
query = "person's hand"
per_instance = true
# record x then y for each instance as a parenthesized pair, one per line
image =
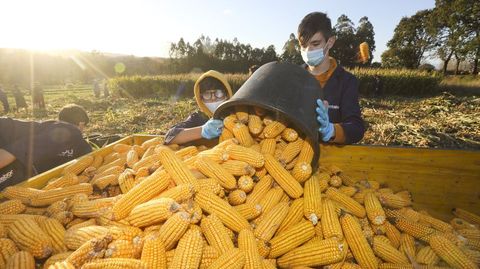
(326, 129)
(212, 129)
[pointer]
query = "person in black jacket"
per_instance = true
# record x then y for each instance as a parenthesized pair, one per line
(339, 114)
(28, 148)
(210, 90)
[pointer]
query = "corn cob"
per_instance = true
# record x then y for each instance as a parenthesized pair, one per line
(392, 233)
(153, 253)
(146, 161)
(387, 252)
(34, 210)
(314, 254)
(209, 255)
(173, 229)
(407, 245)
(393, 200)
(268, 225)
(291, 238)
(57, 258)
(255, 124)
(312, 202)
(269, 201)
(48, 197)
(29, 237)
(348, 190)
(450, 253)
(247, 155)
(7, 249)
(274, 129)
(238, 168)
(282, 177)
(132, 158)
(268, 146)
(330, 222)
(234, 258)
(242, 134)
(112, 166)
(77, 166)
(152, 212)
(152, 142)
(92, 208)
(79, 223)
(120, 249)
(269, 264)
(458, 224)
(97, 161)
(248, 244)
(470, 234)
(56, 207)
(3, 231)
(436, 223)
(63, 181)
(416, 230)
(179, 193)
(21, 259)
(175, 167)
(374, 209)
(294, 216)
(12, 207)
(335, 181)
(302, 171)
(249, 211)
(291, 151)
(210, 184)
(216, 234)
(237, 197)
(216, 171)
(289, 135)
(21, 193)
(226, 135)
(426, 256)
(54, 229)
(188, 253)
(346, 202)
(212, 204)
(245, 183)
(260, 189)
(468, 216)
(74, 238)
(357, 243)
(115, 263)
(142, 192)
(473, 255)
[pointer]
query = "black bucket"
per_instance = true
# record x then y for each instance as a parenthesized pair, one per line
(283, 88)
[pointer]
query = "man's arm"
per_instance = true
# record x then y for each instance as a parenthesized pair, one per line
(6, 158)
(187, 135)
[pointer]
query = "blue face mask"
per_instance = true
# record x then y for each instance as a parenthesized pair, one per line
(313, 57)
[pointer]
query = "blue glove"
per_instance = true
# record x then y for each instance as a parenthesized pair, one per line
(326, 127)
(212, 129)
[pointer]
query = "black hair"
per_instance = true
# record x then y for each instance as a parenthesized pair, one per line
(211, 83)
(73, 114)
(313, 23)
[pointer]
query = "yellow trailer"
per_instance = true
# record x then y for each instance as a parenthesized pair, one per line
(439, 180)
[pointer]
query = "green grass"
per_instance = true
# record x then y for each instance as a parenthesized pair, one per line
(440, 121)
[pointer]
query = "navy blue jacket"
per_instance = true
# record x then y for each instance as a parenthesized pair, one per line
(38, 147)
(341, 92)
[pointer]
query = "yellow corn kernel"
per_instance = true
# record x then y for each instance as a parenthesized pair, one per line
(312, 203)
(216, 234)
(291, 238)
(318, 253)
(374, 209)
(188, 253)
(282, 177)
(330, 222)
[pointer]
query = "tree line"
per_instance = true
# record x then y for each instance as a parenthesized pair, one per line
(450, 30)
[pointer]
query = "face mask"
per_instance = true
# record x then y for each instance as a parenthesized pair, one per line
(313, 57)
(213, 106)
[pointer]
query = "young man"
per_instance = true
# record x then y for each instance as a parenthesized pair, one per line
(28, 148)
(339, 115)
(210, 90)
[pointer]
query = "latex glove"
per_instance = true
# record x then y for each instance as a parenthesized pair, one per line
(326, 129)
(212, 129)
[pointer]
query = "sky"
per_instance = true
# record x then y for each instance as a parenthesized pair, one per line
(148, 27)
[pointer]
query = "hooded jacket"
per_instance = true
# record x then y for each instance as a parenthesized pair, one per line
(200, 117)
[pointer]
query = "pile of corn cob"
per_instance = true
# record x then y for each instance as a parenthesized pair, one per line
(249, 202)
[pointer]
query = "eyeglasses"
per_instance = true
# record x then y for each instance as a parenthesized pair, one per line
(209, 95)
